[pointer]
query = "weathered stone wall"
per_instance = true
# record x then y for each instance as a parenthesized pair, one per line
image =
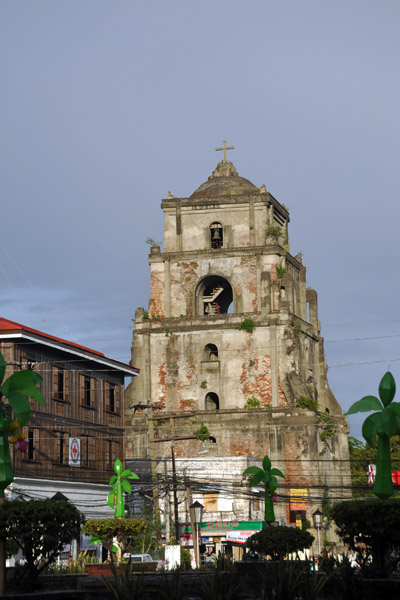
(244, 221)
(291, 438)
(177, 375)
(174, 281)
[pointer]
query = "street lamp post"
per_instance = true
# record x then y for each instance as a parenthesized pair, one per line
(317, 518)
(196, 514)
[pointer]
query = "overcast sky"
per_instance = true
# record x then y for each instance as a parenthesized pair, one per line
(107, 104)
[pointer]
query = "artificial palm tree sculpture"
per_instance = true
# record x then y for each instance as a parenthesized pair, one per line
(267, 476)
(382, 425)
(17, 389)
(120, 484)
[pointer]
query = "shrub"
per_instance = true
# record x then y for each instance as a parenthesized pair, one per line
(219, 586)
(203, 433)
(186, 559)
(307, 403)
(124, 585)
(328, 428)
(247, 325)
(125, 530)
(281, 580)
(252, 402)
(280, 271)
(274, 230)
(277, 542)
(172, 587)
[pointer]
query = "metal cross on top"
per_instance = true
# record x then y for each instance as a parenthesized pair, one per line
(225, 148)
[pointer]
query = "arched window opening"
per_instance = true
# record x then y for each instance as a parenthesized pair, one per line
(214, 296)
(211, 352)
(216, 235)
(212, 401)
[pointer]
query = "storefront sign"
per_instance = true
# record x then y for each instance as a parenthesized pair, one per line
(220, 528)
(298, 499)
(239, 536)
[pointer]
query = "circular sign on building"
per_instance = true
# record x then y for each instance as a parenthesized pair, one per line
(74, 452)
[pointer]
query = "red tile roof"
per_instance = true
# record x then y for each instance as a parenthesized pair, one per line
(12, 327)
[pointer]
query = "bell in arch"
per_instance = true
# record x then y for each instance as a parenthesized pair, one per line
(216, 236)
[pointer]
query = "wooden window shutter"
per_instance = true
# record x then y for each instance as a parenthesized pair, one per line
(67, 386)
(65, 442)
(106, 395)
(54, 382)
(58, 456)
(84, 450)
(81, 389)
(115, 452)
(36, 444)
(117, 393)
(93, 386)
(92, 452)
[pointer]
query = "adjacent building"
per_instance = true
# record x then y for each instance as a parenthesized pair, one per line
(74, 439)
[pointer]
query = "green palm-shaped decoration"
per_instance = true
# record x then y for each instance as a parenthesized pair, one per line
(382, 425)
(17, 389)
(267, 476)
(120, 484)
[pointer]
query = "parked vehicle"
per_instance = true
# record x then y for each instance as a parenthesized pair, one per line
(138, 557)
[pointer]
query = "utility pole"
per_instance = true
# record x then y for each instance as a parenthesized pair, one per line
(171, 439)
(174, 489)
(153, 466)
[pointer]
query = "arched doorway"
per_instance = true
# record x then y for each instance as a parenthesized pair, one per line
(212, 401)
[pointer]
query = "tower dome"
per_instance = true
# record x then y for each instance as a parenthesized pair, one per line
(224, 181)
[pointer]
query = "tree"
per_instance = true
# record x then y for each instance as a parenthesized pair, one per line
(267, 476)
(382, 425)
(40, 528)
(370, 521)
(126, 531)
(277, 542)
(146, 542)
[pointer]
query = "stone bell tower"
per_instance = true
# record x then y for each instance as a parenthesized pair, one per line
(231, 340)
